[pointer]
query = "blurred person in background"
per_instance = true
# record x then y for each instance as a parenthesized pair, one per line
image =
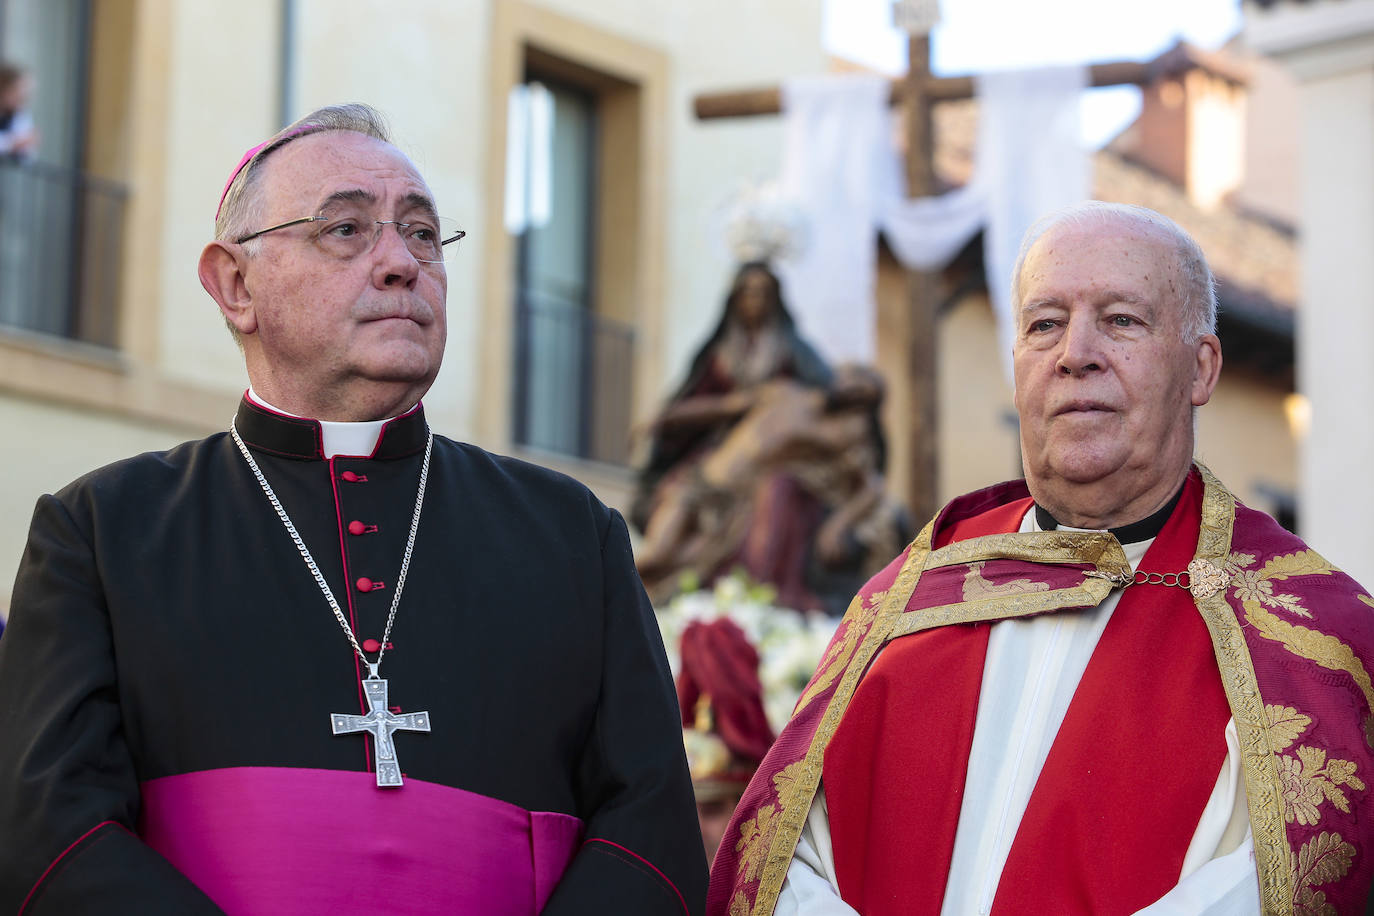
(18, 138)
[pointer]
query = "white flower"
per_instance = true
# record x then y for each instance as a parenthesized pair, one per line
(729, 591)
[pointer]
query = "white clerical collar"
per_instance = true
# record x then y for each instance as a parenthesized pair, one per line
(339, 438)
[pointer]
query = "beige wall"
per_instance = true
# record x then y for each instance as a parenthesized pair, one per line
(978, 445)
(1243, 436)
(423, 64)
(1271, 142)
(103, 438)
(1336, 338)
(221, 98)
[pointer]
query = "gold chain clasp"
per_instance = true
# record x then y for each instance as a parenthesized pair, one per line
(1118, 579)
(1202, 578)
(1206, 578)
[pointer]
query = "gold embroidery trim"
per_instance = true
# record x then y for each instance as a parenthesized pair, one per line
(838, 655)
(1255, 591)
(804, 779)
(1324, 859)
(1089, 594)
(1096, 547)
(1050, 547)
(1263, 788)
(1312, 778)
(976, 587)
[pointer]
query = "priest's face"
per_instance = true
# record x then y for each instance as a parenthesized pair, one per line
(342, 338)
(1105, 382)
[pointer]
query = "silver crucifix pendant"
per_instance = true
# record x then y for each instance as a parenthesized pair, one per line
(381, 722)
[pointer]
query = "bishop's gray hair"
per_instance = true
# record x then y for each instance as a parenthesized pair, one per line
(243, 206)
(1198, 300)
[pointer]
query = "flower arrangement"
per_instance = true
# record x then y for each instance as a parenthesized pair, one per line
(790, 643)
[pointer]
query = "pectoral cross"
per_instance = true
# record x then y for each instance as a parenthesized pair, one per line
(381, 722)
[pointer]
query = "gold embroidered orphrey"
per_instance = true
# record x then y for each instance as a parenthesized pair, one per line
(1278, 788)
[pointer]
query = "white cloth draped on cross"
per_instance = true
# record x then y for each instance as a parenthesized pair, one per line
(842, 168)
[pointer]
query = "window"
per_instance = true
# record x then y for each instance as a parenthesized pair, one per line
(60, 227)
(574, 250)
(572, 360)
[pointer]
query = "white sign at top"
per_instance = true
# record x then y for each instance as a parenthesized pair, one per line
(915, 17)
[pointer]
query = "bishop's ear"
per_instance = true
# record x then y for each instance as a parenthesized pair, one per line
(221, 271)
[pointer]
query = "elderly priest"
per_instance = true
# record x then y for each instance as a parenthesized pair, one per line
(1108, 688)
(327, 661)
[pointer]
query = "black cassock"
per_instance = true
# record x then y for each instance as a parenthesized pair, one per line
(170, 669)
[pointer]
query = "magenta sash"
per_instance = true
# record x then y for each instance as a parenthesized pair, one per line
(297, 841)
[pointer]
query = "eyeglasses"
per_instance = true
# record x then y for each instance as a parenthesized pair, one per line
(347, 235)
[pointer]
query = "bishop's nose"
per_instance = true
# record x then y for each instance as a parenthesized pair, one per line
(393, 264)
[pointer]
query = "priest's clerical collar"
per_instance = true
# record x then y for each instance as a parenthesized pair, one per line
(1133, 533)
(267, 426)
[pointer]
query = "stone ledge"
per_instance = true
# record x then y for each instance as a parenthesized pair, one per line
(93, 378)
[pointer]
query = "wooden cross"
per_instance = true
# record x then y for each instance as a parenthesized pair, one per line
(381, 722)
(918, 91)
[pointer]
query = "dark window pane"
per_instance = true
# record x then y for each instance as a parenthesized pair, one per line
(572, 366)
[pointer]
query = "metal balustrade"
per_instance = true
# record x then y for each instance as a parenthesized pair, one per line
(61, 251)
(573, 379)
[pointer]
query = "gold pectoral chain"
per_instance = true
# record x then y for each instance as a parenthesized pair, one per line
(1202, 577)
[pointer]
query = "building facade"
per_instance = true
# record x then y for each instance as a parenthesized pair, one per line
(558, 133)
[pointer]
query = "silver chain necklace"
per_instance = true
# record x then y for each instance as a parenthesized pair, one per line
(379, 721)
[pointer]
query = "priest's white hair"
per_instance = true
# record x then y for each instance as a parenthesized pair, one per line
(1198, 288)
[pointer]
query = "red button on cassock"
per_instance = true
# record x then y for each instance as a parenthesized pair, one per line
(356, 527)
(371, 645)
(364, 584)
(349, 476)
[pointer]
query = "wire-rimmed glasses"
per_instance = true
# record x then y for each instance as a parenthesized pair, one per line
(346, 234)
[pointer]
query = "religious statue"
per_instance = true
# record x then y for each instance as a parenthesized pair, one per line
(768, 460)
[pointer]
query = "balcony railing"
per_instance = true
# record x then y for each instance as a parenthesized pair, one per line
(572, 380)
(61, 248)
